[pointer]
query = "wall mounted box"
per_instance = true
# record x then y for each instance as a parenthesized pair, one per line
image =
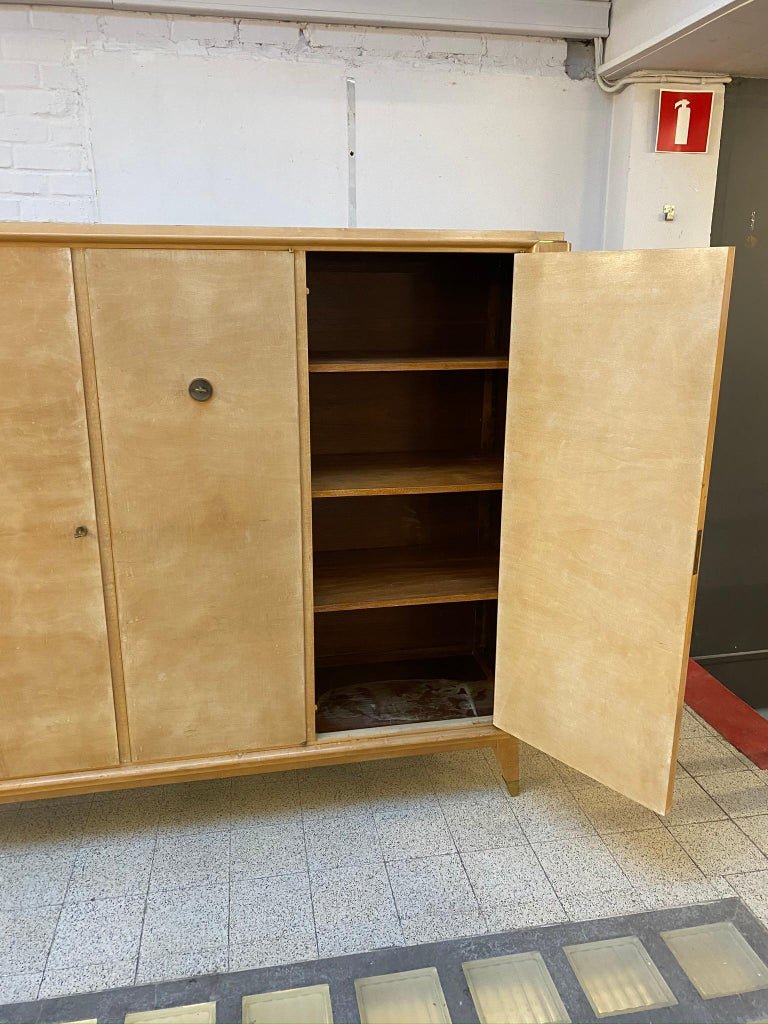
(382, 530)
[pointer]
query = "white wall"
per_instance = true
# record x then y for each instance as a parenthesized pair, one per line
(169, 119)
(122, 117)
(641, 181)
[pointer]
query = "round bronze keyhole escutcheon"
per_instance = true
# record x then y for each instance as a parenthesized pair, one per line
(200, 389)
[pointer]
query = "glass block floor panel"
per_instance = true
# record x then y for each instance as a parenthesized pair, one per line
(718, 959)
(618, 976)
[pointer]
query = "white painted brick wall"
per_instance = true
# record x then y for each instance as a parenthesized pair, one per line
(45, 151)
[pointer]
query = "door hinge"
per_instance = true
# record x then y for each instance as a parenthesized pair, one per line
(697, 553)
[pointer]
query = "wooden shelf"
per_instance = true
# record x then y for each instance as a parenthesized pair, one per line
(400, 362)
(341, 476)
(390, 578)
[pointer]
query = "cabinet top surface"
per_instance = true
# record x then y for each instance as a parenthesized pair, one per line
(300, 238)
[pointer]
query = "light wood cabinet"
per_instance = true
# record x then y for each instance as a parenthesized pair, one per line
(388, 530)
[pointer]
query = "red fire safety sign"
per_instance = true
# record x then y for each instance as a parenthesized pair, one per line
(684, 120)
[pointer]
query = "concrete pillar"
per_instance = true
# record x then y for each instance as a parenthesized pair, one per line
(641, 181)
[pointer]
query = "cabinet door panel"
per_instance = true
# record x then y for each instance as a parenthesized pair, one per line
(614, 368)
(204, 496)
(57, 707)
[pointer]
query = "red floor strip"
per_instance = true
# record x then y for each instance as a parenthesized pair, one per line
(736, 721)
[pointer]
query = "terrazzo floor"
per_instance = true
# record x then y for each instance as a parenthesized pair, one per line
(149, 885)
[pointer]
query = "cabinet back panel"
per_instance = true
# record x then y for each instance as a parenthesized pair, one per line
(58, 713)
(404, 520)
(386, 634)
(445, 303)
(204, 497)
(396, 412)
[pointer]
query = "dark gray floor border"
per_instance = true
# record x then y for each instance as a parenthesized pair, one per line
(339, 972)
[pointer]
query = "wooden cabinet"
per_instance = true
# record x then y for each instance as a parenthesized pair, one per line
(389, 530)
(57, 708)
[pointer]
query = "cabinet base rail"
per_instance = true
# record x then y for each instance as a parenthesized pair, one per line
(397, 742)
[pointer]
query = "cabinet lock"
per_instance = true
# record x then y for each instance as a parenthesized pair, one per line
(200, 389)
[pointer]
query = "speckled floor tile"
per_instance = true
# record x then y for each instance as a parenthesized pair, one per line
(572, 778)
(392, 783)
(548, 812)
(581, 865)
(680, 894)
(707, 755)
(196, 807)
(87, 978)
(611, 812)
(434, 898)
(756, 828)
(47, 826)
(184, 920)
(482, 823)
(268, 849)
(182, 965)
(333, 792)
(692, 728)
(691, 804)
(512, 888)
(597, 905)
(335, 842)
(464, 773)
(35, 880)
(720, 848)
(270, 921)
(525, 913)
(418, 831)
(753, 889)
(123, 816)
(291, 948)
(97, 931)
(354, 910)
(25, 939)
(19, 988)
(535, 765)
(265, 799)
(183, 861)
(118, 869)
(506, 875)
(647, 857)
(740, 794)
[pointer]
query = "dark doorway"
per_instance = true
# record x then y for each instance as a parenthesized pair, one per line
(730, 633)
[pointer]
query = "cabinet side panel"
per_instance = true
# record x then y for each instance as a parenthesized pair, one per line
(57, 709)
(204, 496)
(614, 361)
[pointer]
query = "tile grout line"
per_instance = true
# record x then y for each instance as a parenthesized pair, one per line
(306, 861)
(146, 899)
(63, 904)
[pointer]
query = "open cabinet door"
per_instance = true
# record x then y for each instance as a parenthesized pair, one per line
(613, 379)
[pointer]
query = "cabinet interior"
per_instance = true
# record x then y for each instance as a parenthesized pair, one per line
(408, 354)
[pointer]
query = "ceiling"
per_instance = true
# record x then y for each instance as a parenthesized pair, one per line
(732, 40)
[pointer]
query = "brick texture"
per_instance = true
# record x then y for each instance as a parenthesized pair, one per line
(46, 164)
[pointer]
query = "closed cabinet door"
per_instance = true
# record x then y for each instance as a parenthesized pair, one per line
(57, 708)
(614, 371)
(196, 367)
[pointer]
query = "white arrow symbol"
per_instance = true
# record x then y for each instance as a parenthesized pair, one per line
(683, 108)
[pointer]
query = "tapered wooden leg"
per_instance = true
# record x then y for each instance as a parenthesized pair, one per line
(508, 756)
